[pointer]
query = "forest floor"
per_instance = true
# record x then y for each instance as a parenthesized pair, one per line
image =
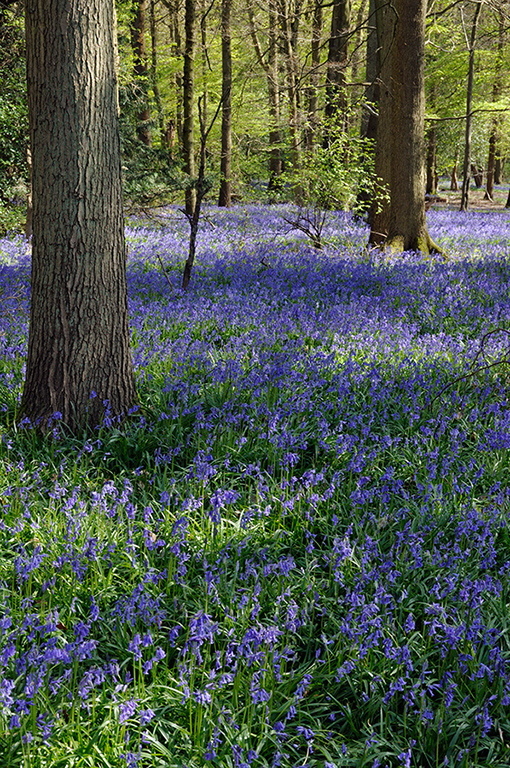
(298, 553)
(477, 201)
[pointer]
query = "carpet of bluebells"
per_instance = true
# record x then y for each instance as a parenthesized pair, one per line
(297, 553)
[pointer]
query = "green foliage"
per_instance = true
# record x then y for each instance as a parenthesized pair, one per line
(150, 174)
(13, 121)
(13, 143)
(336, 177)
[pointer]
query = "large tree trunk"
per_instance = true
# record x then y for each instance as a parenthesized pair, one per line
(79, 354)
(408, 227)
(140, 70)
(466, 175)
(335, 109)
(187, 103)
(225, 196)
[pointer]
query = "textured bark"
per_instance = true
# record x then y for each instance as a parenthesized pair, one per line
(466, 176)
(408, 227)
(336, 99)
(140, 68)
(225, 195)
(78, 350)
(187, 102)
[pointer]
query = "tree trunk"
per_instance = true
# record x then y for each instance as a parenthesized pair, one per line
(140, 69)
(498, 165)
(271, 69)
(204, 58)
(289, 38)
(373, 66)
(369, 110)
(335, 109)
(477, 175)
(496, 120)
(408, 227)
(273, 84)
(385, 21)
(356, 59)
(454, 183)
(431, 187)
(225, 196)
(466, 177)
(313, 88)
(187, 103)
(491, 162)
(154, 75)
(79, 358)
(176, 44)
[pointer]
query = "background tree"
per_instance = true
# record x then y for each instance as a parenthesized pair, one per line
(140, 67)
(289, 16)
(496, 120)
(335, 110)
(270, 65)
(188, 90)
(225, 195)
(466, 169)
(79, 357)
(312, 123)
